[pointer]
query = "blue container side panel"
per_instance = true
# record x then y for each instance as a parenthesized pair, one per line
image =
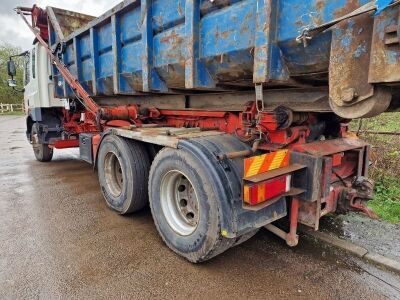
(159, 45)
(224, 41)
(294, 17)
(130, 26)
(169, 49)
(104, 40)
(69, 61)
(167, 14)
(227, 38)
(297, 15)
(130, 76)
(169, 46)
(228, 30)
(128, 66)
(85, 62)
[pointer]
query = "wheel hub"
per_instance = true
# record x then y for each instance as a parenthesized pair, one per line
(179, 203)
(113, 174)
(35, 141)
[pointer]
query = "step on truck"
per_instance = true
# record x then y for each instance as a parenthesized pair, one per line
(224, 116)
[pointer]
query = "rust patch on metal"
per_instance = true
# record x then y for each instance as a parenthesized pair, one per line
(351, 5)
(320, 5)
(68, 21)
(385, 59)
(317, 18)
(350, 55)
(224, 34)
(172, 38)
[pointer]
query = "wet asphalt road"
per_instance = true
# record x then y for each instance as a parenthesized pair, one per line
(59, 240)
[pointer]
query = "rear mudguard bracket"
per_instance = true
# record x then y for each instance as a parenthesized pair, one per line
(227, 183)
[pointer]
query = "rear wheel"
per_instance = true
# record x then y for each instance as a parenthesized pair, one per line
(184, 206)
(43, 152)
(123, 168)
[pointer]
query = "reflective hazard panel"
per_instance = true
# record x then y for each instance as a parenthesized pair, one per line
(263, 163)
(257, 191)
(254, 194)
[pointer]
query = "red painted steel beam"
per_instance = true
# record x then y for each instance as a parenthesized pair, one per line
(120, 113)
(193, 113)
(292, 238)
(64, 144)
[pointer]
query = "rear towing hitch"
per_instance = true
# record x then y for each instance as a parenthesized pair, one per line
(357, 196)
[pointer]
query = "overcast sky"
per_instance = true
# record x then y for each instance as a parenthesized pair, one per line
(14, 31)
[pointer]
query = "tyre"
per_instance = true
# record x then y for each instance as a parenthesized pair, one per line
(123, 170)
(184, 206)
(43, 152)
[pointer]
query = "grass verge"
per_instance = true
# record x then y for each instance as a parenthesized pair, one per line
(386, 202)
(13, 113)
(385, 169)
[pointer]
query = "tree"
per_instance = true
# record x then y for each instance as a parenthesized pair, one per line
(8, 94)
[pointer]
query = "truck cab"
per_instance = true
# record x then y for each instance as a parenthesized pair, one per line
(44, 110)
(39, 86)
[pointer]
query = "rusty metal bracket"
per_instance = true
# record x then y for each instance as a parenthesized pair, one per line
(369, 7)
(304, 37)
(239, 154)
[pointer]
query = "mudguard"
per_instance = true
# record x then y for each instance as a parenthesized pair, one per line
(227, 175)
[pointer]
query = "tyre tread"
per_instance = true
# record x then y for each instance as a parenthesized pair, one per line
(221, 243)
(138, 161)
(46, 153)
(140, 156)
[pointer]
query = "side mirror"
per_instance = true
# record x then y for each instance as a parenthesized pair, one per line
(12, 70)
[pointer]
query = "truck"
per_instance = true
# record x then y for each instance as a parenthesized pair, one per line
(223, 116)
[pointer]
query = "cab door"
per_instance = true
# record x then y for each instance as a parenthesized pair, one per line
(31, 94)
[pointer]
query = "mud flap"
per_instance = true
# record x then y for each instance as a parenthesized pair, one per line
(227, 175)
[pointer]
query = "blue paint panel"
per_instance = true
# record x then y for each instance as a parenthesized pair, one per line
(169, 46)
(154, 45)
(382, 4)
(297, 15)
(69, 55)
(105, 65)
(167, 13)
(85, 46)
(130, 26)
(314, 58)
(229, 29)
(104, 38)
(130, 58)
(225, 69)
(87, 68)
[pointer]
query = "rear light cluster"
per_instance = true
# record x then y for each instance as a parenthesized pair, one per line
(266, 177)
(257, 193)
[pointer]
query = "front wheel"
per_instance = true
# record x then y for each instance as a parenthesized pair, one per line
(43, 152)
